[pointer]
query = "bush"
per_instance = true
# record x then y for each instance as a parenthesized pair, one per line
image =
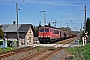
(8, 43)
(1, 42)
(81, 52)
(88, 39)
(1, 33)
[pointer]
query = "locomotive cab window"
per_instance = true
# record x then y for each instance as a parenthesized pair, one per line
(41, 30)
(46, 30)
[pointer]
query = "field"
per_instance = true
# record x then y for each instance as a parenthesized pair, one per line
(81, 53)
(7, 49)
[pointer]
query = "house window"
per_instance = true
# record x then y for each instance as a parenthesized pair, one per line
(29, 39)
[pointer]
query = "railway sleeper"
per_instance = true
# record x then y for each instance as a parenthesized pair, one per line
(44, 57)
(33, 55)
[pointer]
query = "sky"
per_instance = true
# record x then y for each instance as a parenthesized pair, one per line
(67, 13)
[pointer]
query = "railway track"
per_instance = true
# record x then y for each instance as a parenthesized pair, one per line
(29, 53)
(35, 54)
(12, 55)
(66, 41)
(57, 50)
(46, 53)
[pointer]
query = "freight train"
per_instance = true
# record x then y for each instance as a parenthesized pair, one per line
(49, 35)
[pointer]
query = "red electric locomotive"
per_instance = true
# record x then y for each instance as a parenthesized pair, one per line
(48, 35)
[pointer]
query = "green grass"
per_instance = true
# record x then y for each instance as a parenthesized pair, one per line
(7, 49)
(81, 53)
(39, 48)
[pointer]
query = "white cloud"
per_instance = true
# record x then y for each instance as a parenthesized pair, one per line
(71, 3)
(66, 4)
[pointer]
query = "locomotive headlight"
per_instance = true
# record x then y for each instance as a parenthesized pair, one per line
(47, 36)
(40, 36)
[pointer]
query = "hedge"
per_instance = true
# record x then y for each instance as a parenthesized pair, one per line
(1, 42)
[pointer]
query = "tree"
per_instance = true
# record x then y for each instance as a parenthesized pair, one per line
(49, 24)
(36, 31)
(1, 33)
(88, 25)
(67, 29)
(40, 24)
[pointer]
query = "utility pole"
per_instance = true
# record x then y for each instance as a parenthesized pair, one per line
(81, 26)
(67, 29)
(17, 24)
(85, 18)
(54, 23)
(81, 29)
(44, 17)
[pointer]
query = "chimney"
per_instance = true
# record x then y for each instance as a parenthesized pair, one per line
(14, 22)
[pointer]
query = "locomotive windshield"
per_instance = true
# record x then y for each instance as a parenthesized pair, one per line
(41, 30)
(44, 30)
